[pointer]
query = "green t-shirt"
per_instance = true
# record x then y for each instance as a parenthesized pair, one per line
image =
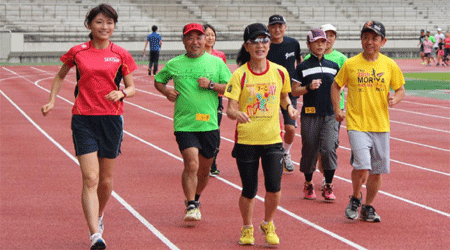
(195, 108)
(338, 58)
(431, 38)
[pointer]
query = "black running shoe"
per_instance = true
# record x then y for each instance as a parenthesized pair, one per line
(368, 214)
(352, 209)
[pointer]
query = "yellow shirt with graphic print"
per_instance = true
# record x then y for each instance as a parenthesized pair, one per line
(258, 96)
(368, 86)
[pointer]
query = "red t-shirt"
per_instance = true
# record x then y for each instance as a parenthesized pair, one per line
(447, 42)
(219, 54)
(99, 71)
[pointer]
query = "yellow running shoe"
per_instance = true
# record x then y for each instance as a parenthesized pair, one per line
(247, 236)
(269, 231)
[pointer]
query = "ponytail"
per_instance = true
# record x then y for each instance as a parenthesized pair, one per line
(243, 56)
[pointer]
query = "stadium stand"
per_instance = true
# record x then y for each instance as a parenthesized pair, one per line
(61, 21)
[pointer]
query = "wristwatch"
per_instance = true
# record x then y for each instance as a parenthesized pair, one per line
(211, 85)
(124, 93)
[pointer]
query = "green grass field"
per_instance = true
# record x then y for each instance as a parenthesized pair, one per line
(427, 81)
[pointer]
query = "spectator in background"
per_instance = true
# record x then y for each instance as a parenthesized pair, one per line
(447, 48)
(339, 58)
(439, 37)
(97, 122)
(440, 55)
(255, 92)
(286, 52)
(422, 54)
(198, 77)
(210, 34)
(155, 41)
(428, 50)
(432, 54)
(369, 77)
(319, 129)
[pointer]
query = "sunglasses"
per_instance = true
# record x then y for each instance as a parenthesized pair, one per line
(259, 40)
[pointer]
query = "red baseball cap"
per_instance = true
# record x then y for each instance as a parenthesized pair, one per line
(193, 26)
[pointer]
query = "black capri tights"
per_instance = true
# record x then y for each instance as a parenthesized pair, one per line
(247, 158)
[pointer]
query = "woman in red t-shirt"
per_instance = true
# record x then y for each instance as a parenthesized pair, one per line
(210, 35)
(447, 48)
(97, 122)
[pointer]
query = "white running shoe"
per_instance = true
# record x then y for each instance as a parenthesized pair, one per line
(97, 242)
(288, 165)
(101, 226)
(192, 213)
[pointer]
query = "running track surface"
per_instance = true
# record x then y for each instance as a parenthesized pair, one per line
(41, 181)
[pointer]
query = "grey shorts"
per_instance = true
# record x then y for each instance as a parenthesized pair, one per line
(370, 151)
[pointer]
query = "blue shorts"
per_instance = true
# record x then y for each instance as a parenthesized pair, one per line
(97, 133)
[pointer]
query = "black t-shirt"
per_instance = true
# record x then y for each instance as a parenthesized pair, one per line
(318, 101)
(421, 39)
(285, 54)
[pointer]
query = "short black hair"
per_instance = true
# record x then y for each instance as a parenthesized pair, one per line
(154, 28)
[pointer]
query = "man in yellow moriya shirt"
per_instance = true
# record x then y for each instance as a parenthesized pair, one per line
(369, 76)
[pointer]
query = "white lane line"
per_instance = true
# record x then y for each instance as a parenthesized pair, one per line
(417, 204)
(155, 231)
(299, 218)
(420, 113)
(425, 104)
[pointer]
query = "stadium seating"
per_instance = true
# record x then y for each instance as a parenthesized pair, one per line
(62, 20)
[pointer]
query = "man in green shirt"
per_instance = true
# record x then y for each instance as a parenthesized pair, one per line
(337, 57)
(198, 77)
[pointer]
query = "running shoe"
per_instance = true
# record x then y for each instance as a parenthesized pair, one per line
(101, 226)
(368, 214)
(97, 242)
(352, 209)
(423, 63)
(309, 192)
(327, 192)
(288, 165)
(269, 231)
(192, 213)
(214, 172)
(247, 236)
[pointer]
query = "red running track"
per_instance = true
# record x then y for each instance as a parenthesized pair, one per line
(41, 181)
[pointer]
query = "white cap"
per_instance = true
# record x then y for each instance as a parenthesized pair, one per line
(327, 27)
(439, 29)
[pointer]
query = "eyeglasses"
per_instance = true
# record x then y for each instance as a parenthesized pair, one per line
(259, 40)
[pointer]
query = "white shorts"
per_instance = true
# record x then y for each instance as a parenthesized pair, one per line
(370, 151)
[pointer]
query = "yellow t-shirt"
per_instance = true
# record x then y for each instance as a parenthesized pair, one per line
(258, 96)
(368, 86)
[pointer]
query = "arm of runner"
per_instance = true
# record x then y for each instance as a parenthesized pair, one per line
(171, 94)
(335, 100)
(285, 102)
(145, 47)
(129, 90)
(234, 114)
(56, 87)
(398, 96)
(205, 83)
